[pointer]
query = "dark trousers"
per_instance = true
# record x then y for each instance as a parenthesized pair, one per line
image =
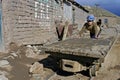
(92, 35)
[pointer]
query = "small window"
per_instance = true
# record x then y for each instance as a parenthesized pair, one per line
(105, 21)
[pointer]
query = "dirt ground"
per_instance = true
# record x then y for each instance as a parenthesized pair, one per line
(110, 69)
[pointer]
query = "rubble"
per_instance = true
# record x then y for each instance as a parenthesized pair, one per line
(2, 77)
(14, 54)
(29, 53)
(37, 77)
(3, 63)
(33, 70)
(32, 51)
(36, 68)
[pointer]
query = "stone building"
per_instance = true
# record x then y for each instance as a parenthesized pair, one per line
(33, 21)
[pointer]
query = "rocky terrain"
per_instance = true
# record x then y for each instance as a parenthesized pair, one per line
(29, 63)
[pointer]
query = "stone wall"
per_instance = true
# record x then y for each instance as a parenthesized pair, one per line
(80, 16)
(32, 21)
(29, 21)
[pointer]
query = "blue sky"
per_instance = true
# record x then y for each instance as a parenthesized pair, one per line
(110, 5)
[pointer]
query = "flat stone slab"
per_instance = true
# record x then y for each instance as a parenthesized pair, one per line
(96, 48)
(81, 47)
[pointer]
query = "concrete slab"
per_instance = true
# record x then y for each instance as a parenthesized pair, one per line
(85, 46)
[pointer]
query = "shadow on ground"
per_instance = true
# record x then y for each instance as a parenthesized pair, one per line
(53, 64)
